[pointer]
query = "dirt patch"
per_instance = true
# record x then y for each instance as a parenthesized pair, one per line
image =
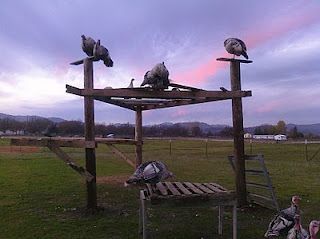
(19, 149)
(116, 179)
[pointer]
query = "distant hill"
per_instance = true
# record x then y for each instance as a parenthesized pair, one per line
(306, 128)
(24, 118)
(205, 128)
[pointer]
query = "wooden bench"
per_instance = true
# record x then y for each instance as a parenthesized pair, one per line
(164, 191)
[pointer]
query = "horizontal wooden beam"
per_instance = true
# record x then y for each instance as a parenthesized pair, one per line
(67, 142)
(234, 60)
(59, 142)
(158, 94)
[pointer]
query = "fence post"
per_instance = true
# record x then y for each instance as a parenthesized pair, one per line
(306, 148)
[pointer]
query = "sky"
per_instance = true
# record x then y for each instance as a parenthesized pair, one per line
(39, 38)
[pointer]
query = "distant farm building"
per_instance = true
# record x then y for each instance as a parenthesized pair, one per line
(278, 137)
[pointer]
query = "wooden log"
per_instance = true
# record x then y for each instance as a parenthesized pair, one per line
(89, 135)
(63, 156)
(238, 135)
(116, 151)
(138, 136)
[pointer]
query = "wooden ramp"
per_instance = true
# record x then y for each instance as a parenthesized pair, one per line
(258, 181)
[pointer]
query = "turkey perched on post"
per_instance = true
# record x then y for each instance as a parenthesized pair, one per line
(297, 232)
(102, 53)
(314, 228)
(157, 77)
(284, 220)
(150, 172)
(87, 45)
(236, 46)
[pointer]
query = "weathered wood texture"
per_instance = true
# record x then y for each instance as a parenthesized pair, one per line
(180, 190)
(156, 94)
(65, 157)
(238, 135)
(116, 151)
(44, 141)
(172, 191)
(89, 135)
(138, 136)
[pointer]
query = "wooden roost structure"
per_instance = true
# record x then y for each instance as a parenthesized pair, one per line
(141, 99)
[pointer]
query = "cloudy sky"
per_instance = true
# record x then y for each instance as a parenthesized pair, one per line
(39, 38)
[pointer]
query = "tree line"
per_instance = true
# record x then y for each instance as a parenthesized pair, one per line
(76, 128)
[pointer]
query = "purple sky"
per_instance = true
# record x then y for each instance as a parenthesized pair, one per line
(39, 38)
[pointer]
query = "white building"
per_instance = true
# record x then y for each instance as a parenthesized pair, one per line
(280, 137)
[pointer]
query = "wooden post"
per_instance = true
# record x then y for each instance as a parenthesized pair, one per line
(238, 139)
(89, 135)
(238, 133)
(138, 136)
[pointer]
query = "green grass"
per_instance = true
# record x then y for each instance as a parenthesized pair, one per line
(40, 197)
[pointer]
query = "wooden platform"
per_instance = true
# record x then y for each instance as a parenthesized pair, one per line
(168, 191)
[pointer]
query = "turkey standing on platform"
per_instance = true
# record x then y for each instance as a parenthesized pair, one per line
(297, 232)
(314, 228)
(236, 47)
(102, 53)
(150, 172)
(87, 45)
(157, 77)
(284, 220)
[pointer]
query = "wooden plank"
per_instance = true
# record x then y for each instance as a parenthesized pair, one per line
(182, 188)
(44, 141)
(184, 87)
(172, 189)
(213, 188)
(193, 188)
(116, 151)
(162, 189)
(79, 62)
(116, 141)
(219, 186)
(234, 60)
(159, 94)
(203, 188)
(63, 156)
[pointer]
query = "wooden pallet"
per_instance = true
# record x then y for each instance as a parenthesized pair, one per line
(166, 191)
(262, 174)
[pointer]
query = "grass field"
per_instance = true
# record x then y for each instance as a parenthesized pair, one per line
(40, 197)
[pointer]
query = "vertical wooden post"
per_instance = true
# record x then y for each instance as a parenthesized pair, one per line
(238, 134)
(138, 136)
(89, 135)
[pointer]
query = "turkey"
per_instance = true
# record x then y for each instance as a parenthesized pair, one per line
(314, 228)
(102, 53)
(131, 84)
(284, 220)
(157, 77)
(51, 130)
(236, 47)
(297, 232)
(150, 172)
(87, 45)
